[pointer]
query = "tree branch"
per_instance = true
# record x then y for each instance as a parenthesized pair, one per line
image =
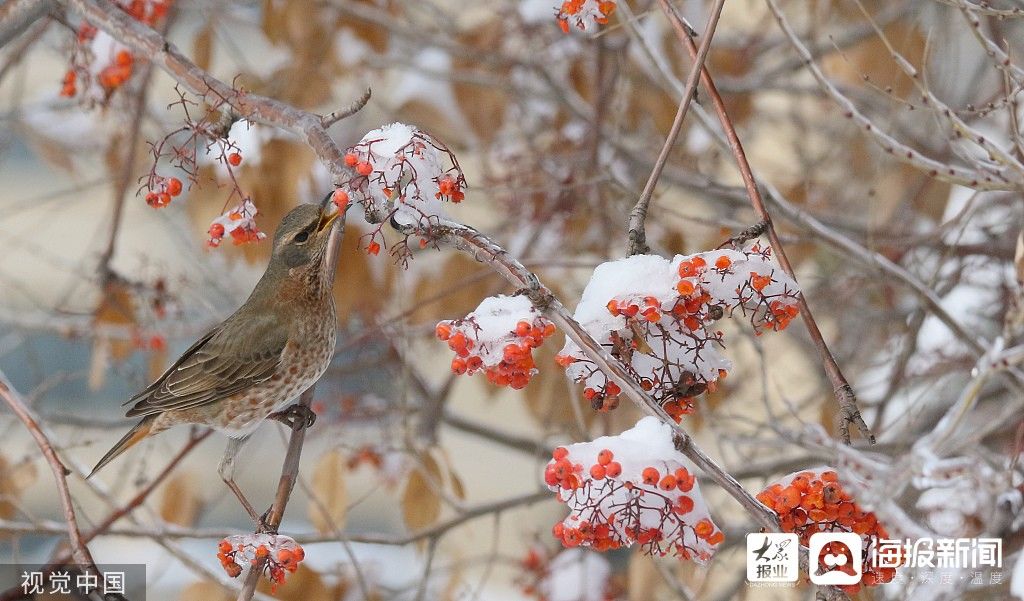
(637, 232)
(841, 388)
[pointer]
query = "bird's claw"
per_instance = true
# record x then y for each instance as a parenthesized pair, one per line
(295, 416)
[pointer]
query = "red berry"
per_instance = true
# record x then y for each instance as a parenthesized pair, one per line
(597, 471)
(560, 453)
(165, 199)
(217, 230)
(650, 475)
(667, 483)
(613, 469)
(373, 248)
(235, 159)
(605, 457)
(174, 186)
(351, 159)
(364, 168)
(340, 199)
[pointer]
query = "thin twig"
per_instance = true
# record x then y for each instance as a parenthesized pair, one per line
(79, 550)
(354, 107)
(637, 217)
(841, 388)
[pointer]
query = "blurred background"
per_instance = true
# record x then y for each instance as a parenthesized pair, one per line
(900, 218)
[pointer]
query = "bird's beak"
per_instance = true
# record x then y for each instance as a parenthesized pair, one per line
(328, 214)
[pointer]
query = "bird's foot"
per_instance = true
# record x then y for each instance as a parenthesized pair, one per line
(295, 416)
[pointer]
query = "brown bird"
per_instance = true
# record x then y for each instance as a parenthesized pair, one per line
(274, 347)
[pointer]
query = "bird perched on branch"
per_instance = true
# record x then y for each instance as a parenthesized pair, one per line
(273, 348)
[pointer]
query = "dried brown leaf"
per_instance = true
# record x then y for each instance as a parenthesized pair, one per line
(181, 500)
(421, 505)
(329, 509)
(14, 479)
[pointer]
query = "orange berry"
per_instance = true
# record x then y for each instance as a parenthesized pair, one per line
(704, 528)
(613, 469)
(123, 58)
(605, 457)
(560, 453)
(667, 483)
(364, 168)
(224, 546)
(684, 505)
(217, 230)
(723, 262)
(351, 159)
(235, 159)
(340, 198)
(261, 551)
(174, 186)
(522, 328)
(373, 248)
(443, 331)
(789, 499)
(597, 471)
(684, 287)
(165, 199)
(650, 475)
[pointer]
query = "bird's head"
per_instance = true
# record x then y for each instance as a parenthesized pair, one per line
(301, 239)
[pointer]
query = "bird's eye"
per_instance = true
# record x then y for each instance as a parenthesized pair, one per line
(302, 237)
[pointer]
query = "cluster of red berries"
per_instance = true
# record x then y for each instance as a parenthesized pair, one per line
(450, 188)
(362, 167)
(120, 69)
(781, 314)
(620, 524)
(114, 75)
(285, 560)
(653, 326)
(168, 188)
(814, 502)
(240, 226)
(573, 8)
(513, 367)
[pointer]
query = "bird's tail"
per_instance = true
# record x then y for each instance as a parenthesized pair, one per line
(136, 434)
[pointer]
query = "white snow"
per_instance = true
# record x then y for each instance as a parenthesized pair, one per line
(635, 504)
(576, 575)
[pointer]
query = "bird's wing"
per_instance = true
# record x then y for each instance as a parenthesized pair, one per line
(219, 364)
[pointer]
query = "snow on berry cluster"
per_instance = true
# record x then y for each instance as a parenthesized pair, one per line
(498, 338)
(282, 554)
(584, 14)
(239, 223)
(404, 173)
(162, 190)
(813, 501)
(631, 489)
(657, 316)
(98, 58)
